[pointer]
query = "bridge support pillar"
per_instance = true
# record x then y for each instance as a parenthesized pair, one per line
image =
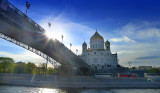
(46, 67)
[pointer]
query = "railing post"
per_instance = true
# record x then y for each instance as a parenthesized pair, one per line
(46, 68)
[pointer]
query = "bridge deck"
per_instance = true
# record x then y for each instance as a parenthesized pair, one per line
(16, 25)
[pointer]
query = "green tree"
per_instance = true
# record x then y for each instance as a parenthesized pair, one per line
(154, 70)
(11, 68)
(51, 70)
(21, 68)
(41, 68)
(6, 59)
(31, 68)
(5, 63)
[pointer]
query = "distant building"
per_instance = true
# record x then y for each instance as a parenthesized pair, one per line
(97, 56)
(144, 67)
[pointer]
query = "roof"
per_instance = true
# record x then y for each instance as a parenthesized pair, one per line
(96, 36)
(107, 43)
(84, 44)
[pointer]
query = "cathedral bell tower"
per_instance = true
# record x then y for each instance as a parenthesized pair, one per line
(107, 44)
(84, 47)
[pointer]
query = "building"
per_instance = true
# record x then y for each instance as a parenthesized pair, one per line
(144, 67)
(99, 55)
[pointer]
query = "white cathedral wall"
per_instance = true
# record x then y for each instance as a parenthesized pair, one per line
(101, 58)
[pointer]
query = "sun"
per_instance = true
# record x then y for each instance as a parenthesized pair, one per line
(49, 35)
(59, 35)
(57, 31)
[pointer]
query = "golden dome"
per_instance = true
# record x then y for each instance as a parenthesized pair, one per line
(96, 36)
(107, 43)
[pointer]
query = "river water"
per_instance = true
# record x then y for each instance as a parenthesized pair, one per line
(18, 89)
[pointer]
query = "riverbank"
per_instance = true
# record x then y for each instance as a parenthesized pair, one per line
(74, 82)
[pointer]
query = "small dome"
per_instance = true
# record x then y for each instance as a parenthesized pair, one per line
(84, 44)
(96, 36)
(107, 43)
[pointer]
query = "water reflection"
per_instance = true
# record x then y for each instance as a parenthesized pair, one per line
(17, 89)
(48, 90)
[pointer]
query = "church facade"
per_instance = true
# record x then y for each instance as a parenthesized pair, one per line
(99, 55)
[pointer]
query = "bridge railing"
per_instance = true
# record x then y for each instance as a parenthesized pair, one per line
(25, 46)
(33, 22)
(12, 11)
(72, 53)
(9, 5)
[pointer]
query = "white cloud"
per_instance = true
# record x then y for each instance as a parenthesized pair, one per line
(149, 33)
(140, 30)
(142, 34)
(129, 52)
(60, 26)
(73, 32)
(122, 39)
(126, 52)
(26, 56)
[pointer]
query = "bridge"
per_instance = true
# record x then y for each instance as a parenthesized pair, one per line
(18, 28)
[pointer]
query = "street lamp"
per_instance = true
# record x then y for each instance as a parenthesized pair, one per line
(49, 24)
(62, 38)
(27, 6)
(70, 46)
(130, 64)
(76, 51)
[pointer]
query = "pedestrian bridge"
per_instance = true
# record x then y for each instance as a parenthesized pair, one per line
(18, 28)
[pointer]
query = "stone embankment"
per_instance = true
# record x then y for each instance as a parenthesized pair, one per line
(55, 81)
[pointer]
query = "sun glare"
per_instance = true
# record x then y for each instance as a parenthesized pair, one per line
(48, 90)
(57, 34)
(49, 35)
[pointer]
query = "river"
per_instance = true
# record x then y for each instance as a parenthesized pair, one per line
(19, 89)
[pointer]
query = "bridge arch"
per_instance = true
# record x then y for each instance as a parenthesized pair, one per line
(18, 28)
(25, 46)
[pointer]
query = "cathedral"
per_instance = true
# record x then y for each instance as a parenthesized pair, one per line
(97, 56)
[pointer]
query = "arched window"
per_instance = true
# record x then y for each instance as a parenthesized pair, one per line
(95, 67)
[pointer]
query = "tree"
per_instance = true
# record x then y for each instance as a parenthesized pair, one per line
(6, 59)
(21, 68)
(31, 68)
(51, 70)
(154, 70)
(5, 63)
(11, 68)
(41, 68)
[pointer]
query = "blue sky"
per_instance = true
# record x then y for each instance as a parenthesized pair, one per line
(132, 27)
